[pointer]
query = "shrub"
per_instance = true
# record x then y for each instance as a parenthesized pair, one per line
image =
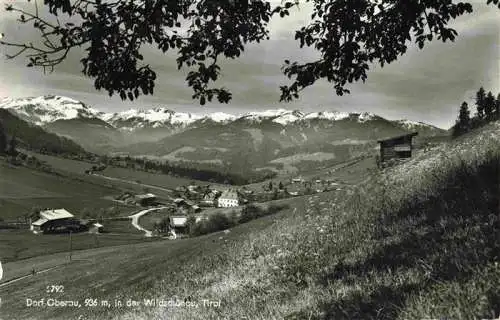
(250, 212)
(218, 222)
(191, 224)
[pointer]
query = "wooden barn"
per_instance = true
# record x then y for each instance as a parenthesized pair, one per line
(396, 147)
(54, 221)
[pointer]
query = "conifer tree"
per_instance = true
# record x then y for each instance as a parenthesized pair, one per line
(497, 107)
(489, 106)
(480, 97)
(463, 123)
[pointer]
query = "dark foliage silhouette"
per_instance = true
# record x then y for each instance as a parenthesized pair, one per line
(347, 34)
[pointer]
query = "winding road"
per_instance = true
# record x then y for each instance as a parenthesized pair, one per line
(135, 219)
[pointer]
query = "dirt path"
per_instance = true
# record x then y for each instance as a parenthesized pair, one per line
(135, 219)
(3, 284)
(132, 182)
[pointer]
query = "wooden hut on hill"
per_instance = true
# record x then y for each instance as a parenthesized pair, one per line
(396, 147)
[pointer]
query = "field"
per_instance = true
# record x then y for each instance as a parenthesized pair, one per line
(121, 227)
(22, 189)
(120, 272)
(154, 179)
(417, 240)
(22, 244)
(148, 220)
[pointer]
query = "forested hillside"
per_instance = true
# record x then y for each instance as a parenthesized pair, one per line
(34, 138)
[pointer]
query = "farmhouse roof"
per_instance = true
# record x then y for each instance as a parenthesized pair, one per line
(411, 135)
(229, 195)
(145, 196)
(55, 214)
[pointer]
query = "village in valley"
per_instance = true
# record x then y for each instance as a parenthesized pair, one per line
(193, 203)
(177, 214)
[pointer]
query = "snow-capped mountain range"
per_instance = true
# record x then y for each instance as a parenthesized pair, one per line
(48, 109)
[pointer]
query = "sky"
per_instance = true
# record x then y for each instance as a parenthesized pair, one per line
(424, 85)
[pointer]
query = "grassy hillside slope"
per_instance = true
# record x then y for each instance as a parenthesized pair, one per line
(77, 167)
(94, 134)
(22, 188)
(34, 138)
(419, 240)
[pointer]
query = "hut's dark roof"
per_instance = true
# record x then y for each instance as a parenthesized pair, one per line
(412, 134)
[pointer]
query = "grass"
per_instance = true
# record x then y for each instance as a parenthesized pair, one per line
(119, 272)
(155, 179)
(418, 240)
(76, 170)
(121, 227)
(148, 220)
(23, 188)
(22, 244)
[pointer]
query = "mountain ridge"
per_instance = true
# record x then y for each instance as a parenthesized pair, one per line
(47, 109)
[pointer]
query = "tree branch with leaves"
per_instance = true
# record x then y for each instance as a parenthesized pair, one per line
(349, 35)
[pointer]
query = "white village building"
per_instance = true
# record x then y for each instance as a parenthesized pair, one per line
(228, 198)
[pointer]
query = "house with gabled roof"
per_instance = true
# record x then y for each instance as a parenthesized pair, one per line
(228, 198)
(55, 220)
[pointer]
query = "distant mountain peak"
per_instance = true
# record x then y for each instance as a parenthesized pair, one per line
(410, 124)
(219, 117)
(48, 108)
(162, 110)
(149, 118)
